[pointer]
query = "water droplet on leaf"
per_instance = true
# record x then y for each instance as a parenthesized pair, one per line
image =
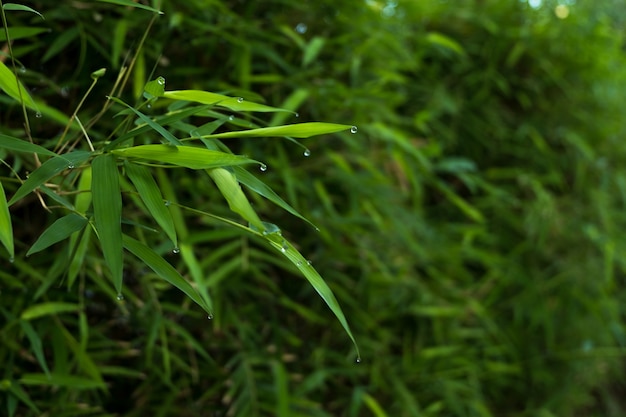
(354, 129)
(231, 117)
(358, 360)
(22, 69)
(65, 92)
(239, 99)
(149, 106)
(210, 317)
(167, 203)
(70, 166)
(161, 81)
(307, 152)
(38, 115)
(120, 297)
(11, 259)
(299, 263)
(297, 115)
(308, 262)
(176, 251)
(301, 28)
(263, 167)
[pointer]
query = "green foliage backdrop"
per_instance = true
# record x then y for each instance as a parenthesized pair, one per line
(471, 230)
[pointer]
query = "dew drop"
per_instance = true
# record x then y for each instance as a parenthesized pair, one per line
(65, 92)
(297, 114)
(308, 262)
(167, 203)
(263, 167)
(307, 152)
(11, 259)
(283, 249)
(161, 81)
(301, 28)
(120, 297)
(22, 69)
(353, 129)
(358, 360)
(176, 251)
(239, 99)
(38, 115)
(231, 117)
(149, 106)
(70, 166)
(210, 317)
(299, 263)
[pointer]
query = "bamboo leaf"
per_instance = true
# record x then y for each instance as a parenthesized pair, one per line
(36, 345)
(299, 130)
(49, 169)
(259, 187)
(183, 156)
(6, 228)
(160, 129)
(130, 3)
(151, 196)
(231, 103)
(14, 88)
(20, 7)
(163, 269)
(107, 212)
(19, 145)
(60, 380)
(46, 309)
(237, 200)
(60, 230)
(154, 88)
(290, 252)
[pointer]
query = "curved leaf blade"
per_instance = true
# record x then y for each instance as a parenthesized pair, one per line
(107, 213)
(231, 103)
(129, 3)
(14, 88)
(60, 230)
(49, 169)
(19, 145)
(298, 130)
(46, 309)
(22, 8)
(183, 156)
(6, 228)
(237, 200)
(163, 269)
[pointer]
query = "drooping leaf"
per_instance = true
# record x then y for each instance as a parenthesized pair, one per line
(49, 169)
(46, 309)
(21, 32)
(231, 103)
(237, 200)
(160, 129)
(6, 228)
(107, 212)
(20, 7)
(183, 156)
(164, 270)
(299, 130)
(259, 187)
(130, 3)
(35, 343)
(60, 230)
(14, 88)
(20, 145)
(61, 380)
(151, 196)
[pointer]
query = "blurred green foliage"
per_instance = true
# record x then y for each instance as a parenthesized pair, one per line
(472, 229)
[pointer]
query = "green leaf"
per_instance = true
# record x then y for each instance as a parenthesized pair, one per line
(444, 41)
(20, 7)
(153, 199)
(49, 169)
(162, 131)
(36, 345)
(184, 156)
(6, 228)
(232, 103)
(154, 88)
(299, 130)
(107, 213)
(60, 230)
(22, 33)
(163, 269)
(259, 187)
(318, 283)
(45, 309)
(60, 380)
(14, 88)
(130, 3)
(232, 192)
(20, 145)
(312, 50)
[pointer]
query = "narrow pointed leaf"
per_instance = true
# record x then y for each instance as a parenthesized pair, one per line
(154, 125)
(183, 156)
(20, 7)
(151, 196)
(61, 380)
(318, 283)
(163, 269)
(35, 344)
(130, 3)
(19, 145)
(46, 309)
(60, 230)
(49, 169)
(107, 212)
(10, 85)
(6, 228)
(231, 103)
(299, 130)
(259, 187)
(237, 200)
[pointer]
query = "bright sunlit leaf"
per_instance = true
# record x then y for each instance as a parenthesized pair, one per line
(183, 156)
(299, 130)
